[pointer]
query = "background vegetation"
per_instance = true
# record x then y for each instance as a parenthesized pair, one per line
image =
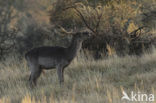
(121, 26)
(124, 34)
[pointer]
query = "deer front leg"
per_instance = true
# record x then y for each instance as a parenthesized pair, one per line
(60, 74)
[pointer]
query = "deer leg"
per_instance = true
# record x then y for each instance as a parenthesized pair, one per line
(35, 73)
(60, 74)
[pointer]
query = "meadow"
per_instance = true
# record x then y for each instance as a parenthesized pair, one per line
(86, 80)
(124, 30)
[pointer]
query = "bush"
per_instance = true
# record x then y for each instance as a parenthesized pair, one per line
(114, 24)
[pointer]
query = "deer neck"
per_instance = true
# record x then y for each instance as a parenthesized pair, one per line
(74, 48)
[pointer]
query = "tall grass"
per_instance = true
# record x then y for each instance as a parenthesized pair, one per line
(86, 80)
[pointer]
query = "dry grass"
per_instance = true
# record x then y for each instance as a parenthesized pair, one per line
(86, 81)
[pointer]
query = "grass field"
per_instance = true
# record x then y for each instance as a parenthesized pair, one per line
(86, 81)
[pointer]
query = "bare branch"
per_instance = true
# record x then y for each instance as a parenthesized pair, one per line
(133, 35)
(139, 29)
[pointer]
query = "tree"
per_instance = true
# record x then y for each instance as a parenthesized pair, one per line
(7, 35)
(111, 24)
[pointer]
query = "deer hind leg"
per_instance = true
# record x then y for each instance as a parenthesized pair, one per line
(35, 73)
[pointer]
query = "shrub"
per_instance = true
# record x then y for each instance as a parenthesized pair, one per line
(113, 23)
